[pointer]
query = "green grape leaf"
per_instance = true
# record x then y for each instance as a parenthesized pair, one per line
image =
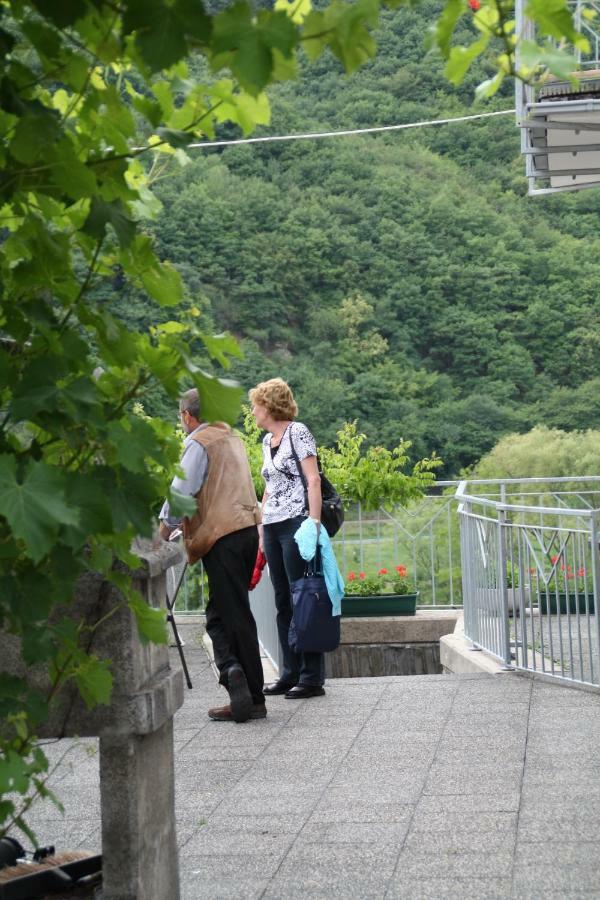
(554, 18)
(175, 138)
(559, 62)
(103, 213)
(221, 347)
(162, 28)
(94, 681)
(151, 623)
(163, 282)
(181, 504)
(444, 27)
(64, 13)
(14, 771)
(34, 506)
(220, 399)
(461, 58)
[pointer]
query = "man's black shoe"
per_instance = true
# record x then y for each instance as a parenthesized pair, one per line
(302, 691)
(278, 687)
(239, 694)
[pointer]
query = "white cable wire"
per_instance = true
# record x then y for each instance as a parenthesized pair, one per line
(352, 131)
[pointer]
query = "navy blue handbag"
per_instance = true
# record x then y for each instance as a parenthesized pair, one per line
(314, 628)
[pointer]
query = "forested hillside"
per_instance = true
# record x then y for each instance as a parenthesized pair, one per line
(404, 279)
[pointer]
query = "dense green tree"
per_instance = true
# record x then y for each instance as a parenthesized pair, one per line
(542, 452)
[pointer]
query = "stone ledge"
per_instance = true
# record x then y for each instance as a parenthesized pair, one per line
(457, 657)
(426, 627)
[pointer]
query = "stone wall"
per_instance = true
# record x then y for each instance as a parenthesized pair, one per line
(391, 645)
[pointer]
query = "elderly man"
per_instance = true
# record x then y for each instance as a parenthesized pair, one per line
(224, 535)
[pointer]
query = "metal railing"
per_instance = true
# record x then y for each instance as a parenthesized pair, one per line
(531, 573)
(423, 537)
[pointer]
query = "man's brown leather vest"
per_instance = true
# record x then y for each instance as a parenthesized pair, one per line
(227, 499)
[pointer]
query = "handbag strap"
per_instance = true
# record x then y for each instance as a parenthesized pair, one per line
(314, 566)
(299, 467)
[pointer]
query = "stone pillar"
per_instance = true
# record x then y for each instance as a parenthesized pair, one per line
(137, 781)
(139, 843)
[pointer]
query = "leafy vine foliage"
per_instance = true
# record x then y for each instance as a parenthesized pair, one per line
(82, 85)
(92, 92)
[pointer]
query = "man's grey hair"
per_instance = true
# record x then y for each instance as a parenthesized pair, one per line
(190, 401)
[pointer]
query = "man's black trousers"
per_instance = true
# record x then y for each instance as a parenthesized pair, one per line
(229, 621)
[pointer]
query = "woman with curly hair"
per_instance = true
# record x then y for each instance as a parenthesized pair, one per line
(283, 512)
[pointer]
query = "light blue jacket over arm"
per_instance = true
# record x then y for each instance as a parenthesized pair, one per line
(306, 538)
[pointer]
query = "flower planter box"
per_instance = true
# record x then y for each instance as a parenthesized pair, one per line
(379, 605)
(550, 599)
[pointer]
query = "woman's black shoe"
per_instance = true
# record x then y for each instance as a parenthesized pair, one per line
(303, 691)
(278, 687)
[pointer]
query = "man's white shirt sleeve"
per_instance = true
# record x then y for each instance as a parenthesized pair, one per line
(194, 464)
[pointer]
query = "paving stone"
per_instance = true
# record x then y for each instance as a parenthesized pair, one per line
(224, 839)
(223, 887)
(360, 810)
(556, 696)
(423, 864)
(473, 783)
(492, 756)
(317, 886)
(552, 822)
(457, 841)
(469, 804)
(338, 863)
(448, 889)
(463, 822)
(279, 824)
(200, 867)
(380, 833)
(562, 867)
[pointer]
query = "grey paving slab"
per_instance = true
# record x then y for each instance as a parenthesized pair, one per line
(475, 783)
(435, 786)
(555, 822)
(468, 805)
(349, 870)
(331, 809)
(449, 864)
(222, 839)
(427, 819)
(562, 867)
(379, 833)
(402, 888)
(457, 842)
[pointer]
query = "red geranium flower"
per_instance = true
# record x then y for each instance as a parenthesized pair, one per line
(351, 576)
(382, 572)
(474, 5)
(401, 570)
(553, 559)
(361, 575)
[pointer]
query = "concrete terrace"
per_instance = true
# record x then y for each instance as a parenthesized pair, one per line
(475, 786)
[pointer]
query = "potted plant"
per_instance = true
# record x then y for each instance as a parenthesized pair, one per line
(515, 590)
(387, 593)
(567, 588)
